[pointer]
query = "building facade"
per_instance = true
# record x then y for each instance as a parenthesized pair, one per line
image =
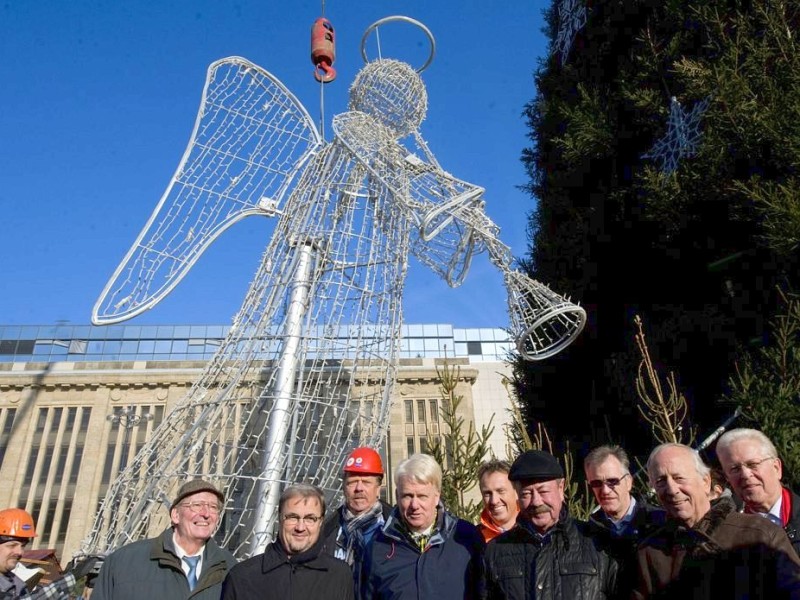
(78, 402)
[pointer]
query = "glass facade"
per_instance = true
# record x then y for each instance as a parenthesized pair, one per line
(54, 343)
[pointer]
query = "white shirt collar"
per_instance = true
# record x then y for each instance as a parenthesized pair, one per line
(180, 552)
(622, 523)
(774, 513)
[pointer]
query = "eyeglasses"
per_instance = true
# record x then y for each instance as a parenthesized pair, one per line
(611, 482)
(197, 506)
(750, 465)
(293, 519)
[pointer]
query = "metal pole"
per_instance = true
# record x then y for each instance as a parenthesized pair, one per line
(269, 485)
(719, 430)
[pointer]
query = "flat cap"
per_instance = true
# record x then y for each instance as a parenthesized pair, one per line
(195, 486)
(535, 464)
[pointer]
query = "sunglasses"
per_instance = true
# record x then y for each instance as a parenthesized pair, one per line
(611, 482)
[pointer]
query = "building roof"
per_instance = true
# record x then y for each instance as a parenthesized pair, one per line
(78, 343)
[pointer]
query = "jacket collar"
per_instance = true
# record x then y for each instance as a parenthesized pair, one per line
(794, 518)
(163, 550)
(396, 529)
(559, 529)
(646, 517)
(699, 539)
(488, 522)
(275, 556)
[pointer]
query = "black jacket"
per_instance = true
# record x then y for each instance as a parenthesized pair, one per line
(646, 519)
(793, 526)
(311, 575)
(567, 564)
(622, 546)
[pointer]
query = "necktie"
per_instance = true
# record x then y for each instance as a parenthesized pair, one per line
(192, 574)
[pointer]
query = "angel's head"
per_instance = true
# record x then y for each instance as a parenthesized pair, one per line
(392, 92)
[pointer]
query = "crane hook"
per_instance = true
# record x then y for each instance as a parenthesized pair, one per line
(323, 50)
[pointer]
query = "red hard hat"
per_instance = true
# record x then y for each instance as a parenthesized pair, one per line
(364, 461)
(15, 522)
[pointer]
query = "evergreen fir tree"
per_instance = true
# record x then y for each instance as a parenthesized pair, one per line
(697, 251)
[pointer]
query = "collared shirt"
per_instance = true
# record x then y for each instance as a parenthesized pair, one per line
(421, 538)
(180, 552)
(543, 538)
(774, 513)
(619, 526)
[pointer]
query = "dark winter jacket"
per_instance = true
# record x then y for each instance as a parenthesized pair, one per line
(793, 526)
(310, 575)
(332, 527)
(567, 564)
(151, 569)
(726, 555)
(622, 546)
(646, 519)
(448, 568)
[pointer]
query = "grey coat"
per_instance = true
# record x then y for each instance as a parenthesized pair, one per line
(151, 569)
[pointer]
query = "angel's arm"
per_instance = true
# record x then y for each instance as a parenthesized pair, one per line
(451, 226)
(430, 198)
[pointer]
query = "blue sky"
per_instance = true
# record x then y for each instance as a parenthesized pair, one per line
(100, 98)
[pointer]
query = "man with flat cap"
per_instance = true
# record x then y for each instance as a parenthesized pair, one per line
(182, 563)
(547, 555)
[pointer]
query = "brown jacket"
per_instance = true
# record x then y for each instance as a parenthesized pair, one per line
(725, 556)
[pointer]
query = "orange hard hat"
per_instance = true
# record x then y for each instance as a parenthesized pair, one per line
(365, 461)
(15, 522)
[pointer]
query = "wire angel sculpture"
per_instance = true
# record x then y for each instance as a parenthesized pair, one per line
(306, 372)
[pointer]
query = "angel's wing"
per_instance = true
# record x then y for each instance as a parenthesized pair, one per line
(250, 139)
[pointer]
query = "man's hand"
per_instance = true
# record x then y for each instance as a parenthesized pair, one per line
(86, 566)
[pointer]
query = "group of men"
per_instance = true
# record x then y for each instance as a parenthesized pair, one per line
(363, 549)
(526, 545)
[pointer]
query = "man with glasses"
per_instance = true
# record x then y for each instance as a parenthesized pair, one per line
(183, 562)
(547, 555)
(294, 565)
(752, 467)
(621, 521)
(707, 551)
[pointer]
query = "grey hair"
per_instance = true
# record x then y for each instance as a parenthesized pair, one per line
(737, 435)
(601, 453)
(702, 468)
(301, 490)
(421, 468)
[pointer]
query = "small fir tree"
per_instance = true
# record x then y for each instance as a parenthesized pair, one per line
(766, 386)
(460, 449)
